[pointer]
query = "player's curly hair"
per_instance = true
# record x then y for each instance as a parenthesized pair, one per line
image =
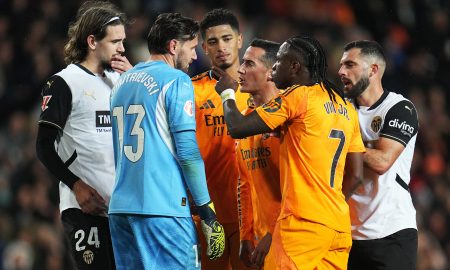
(170, 26)
(314, 59)
(93, 17)
(219, 16)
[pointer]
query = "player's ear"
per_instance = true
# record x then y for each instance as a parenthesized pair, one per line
(295, 67)
(204, 48)
(269, 75)
(92, 44)
(240, 40)
(374, 68)
(172, 46)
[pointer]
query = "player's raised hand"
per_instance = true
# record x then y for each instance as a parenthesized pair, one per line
(213, 231)
(225, 80)
(88, 198)
(120, 64)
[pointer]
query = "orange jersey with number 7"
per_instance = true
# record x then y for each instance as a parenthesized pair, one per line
(316, 135)
(216, 146)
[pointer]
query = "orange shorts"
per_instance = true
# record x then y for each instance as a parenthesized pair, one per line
(300, 244)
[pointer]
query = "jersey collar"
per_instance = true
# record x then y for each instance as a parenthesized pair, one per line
(380, 100)
(85, 69)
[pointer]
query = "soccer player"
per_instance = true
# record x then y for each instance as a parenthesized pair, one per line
(75, 117)
(383, 216)
(221, 43)
(319, 136)
(259, 193)
(157, 157)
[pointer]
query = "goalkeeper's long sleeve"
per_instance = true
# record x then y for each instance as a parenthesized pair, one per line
(194, 172)
(192, 165)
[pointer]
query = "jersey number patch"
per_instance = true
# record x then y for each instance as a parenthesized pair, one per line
(92, 239)
(137, 112)
(336, 134)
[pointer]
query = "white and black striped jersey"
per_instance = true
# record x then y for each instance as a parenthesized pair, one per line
(77, 102)
(383, 206)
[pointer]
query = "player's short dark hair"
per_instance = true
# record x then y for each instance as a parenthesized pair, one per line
(368, 48)
(270, 48)
(170, 26)
(218, 16)
(309, 51)
(93, 17)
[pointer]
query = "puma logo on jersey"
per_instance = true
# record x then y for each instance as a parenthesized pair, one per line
(49, 84)
(409, 109)
(90, 94)
(45, 101)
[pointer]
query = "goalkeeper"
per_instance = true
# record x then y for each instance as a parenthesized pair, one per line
(157, 158)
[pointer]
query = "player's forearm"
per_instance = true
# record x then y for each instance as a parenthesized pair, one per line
(194, 173)
(241, 126)
(45, 151)
(377, 160)
(192, 165)
(234, 120)
(353, 176)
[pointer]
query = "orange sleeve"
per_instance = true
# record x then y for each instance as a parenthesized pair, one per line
(245, 206)
(280, 109)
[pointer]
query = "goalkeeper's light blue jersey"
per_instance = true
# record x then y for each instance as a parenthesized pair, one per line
(149, 103)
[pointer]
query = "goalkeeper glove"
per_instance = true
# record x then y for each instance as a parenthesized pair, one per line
(213, 231)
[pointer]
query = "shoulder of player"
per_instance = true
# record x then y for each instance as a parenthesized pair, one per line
(290, 90)
(55, 83)
(203, 77)
(402, 108)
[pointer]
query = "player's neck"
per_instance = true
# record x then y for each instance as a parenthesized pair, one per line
(265, 95)
(93, 66)
(233, 71)
(371, 95)
(166, 58)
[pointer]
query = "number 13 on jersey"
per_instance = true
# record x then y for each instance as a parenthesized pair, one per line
(136, 112)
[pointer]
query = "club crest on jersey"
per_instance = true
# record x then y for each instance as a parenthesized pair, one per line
(45, 101)
(189, 108)
(273, 106)
(376, 124)
(88, 256)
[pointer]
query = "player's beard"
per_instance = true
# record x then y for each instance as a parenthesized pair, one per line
(358, 88)
(225, 66)
(181, 65)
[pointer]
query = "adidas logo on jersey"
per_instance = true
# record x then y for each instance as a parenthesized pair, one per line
(207, 105)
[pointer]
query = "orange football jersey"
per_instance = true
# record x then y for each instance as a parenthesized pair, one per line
(216, 146)
(259, 192)
(316, 135)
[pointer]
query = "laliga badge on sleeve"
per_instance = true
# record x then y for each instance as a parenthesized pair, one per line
(189, 108)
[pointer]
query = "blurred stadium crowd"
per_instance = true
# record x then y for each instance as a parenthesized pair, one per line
(414, 33)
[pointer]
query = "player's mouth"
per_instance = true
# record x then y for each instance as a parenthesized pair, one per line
(222, 57)
(347, 83)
